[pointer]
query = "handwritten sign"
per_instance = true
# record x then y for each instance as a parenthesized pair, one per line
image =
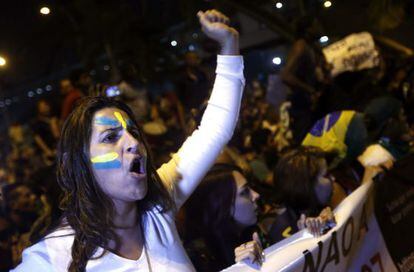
(353, 53)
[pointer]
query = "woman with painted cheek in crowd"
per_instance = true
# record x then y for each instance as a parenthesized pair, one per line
(118, 210)
(219, 216)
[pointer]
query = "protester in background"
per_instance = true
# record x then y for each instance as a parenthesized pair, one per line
(21, 211)
(82, 81)
(46, 131)
(22, 153)
(220, 213)
(193, 84)
(5, 244)
(303, 188)
(302, 73)
(118, 209)
(71, 97)
(348, 133)
(134, 94)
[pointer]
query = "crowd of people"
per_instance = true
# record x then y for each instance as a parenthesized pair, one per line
(285, 169)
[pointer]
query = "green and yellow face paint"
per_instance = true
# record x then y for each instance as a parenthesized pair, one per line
(106, 161)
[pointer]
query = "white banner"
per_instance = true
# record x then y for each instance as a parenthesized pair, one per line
(353, 53)
(355, 244)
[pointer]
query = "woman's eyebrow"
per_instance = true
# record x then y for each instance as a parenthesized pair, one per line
(244, 187)
(115, 129)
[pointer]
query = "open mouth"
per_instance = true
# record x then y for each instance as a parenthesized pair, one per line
(137, 166)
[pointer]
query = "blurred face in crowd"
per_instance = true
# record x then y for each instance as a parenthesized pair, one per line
(16, 133)
(245, 202)
(118, 156)
(65, 86)
(43, 108)
(323, 186)
(192, 59)
(85, 80)
(23, 199)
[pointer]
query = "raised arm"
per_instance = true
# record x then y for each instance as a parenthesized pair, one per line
(187, 167)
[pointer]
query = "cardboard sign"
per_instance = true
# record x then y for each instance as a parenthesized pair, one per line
(353, 53)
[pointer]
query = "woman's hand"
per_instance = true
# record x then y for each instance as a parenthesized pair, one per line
(216, 26)
(317, 225)
(251, 251)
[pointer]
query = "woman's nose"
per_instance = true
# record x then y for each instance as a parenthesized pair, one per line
(131, 143)
(254, 195)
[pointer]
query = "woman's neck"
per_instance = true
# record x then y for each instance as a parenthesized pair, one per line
(126, 215)
(127, 228)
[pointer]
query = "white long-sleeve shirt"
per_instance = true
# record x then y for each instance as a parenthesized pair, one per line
(163, 250)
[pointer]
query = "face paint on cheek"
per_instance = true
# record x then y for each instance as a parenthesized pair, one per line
(121, 119)
(105, 121)
(106, 161)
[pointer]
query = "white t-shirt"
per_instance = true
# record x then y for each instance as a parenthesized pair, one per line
(163, 250)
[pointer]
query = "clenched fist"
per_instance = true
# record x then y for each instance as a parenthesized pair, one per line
(216, 26)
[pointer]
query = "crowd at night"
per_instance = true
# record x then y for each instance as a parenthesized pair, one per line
(99, 156)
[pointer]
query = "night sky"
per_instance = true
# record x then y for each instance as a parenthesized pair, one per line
(39, 48)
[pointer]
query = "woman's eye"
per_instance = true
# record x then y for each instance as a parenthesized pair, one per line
(245, 192)
(110, 138)
(134, 132)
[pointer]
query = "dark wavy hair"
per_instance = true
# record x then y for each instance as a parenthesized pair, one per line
(295, 177)
(209, 214)
(86, 208)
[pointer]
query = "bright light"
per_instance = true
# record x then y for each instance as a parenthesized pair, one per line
(2, 61)
(191, 47)
(48, 88)
(279, 5)
(327, 4)
(39, 91)
(30, 94)
(324, 39)
(174, 43)
(277, 60)
(45, 10)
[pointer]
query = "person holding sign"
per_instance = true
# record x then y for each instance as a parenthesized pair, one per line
(220, 215)
(118, 210)
(303, 191)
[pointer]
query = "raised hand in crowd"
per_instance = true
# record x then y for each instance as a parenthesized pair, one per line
(216, 26)
(375, 159)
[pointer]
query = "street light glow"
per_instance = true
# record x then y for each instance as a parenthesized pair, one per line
(174, 43)
(277, 61)
(279, 5)
(45, 10)
(324, 39)
(3, 61)
(327, 4)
